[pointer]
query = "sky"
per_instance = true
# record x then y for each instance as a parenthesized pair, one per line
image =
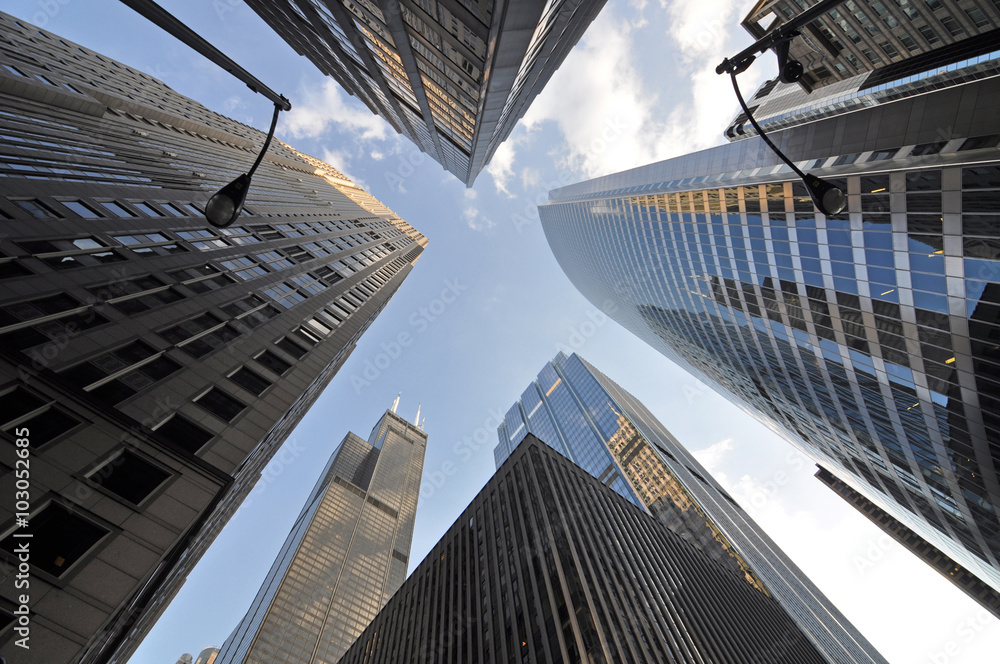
(486, 305)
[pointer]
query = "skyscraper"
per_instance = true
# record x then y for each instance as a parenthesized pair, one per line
(346, 555)
(584, 415)
(882, 40)
(548, 565)
(452, 76)
(151, 363)
(868, 338)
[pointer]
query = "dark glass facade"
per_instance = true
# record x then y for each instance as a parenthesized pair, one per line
(868, 338)
(453, 76)
(613, 437)
(345, 556)
(548, 565)
(157, 362)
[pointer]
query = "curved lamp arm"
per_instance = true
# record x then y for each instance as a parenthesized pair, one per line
(225, 206)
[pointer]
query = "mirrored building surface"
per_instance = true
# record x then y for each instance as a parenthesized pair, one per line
(151, 363)
(346, 555)
(453, 76)
(869, 338)
(611, 435)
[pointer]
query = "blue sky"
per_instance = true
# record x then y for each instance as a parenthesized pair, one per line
(639, 87)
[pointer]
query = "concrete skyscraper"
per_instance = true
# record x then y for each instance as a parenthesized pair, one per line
(548, 565)
(151, 364)
(885, 40)
(869, 338)
(346, 555)
(587, 417)
(453, 76)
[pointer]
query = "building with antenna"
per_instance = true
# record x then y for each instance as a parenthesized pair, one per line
(346, 554)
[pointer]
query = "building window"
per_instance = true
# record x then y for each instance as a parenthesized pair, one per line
(129, 476)
(148, 209)
(203, 344)
(147, 367)
(251, 381)
(20, 408)
(220, 404)
(290, 347)
(117, 209)
(184, 433)
(951, 25)
(81, 209)
(10, 269)
(66, 253)
(132, 296)
(273, 362)
(73, 318)
(60, 538)
(201, 279)
(244, 268)
(240, 235)
(35, 208)
(203, 240)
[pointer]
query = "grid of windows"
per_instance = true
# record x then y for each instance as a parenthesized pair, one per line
(851, 333)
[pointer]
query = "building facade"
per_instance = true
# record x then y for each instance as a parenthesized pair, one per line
(882, 40)
(453, 76)
(588, 418)
(548, 565)
(346, 555)
(868, 338)
(964, 580)
(151, 364)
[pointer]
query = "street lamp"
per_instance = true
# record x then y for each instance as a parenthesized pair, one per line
(224, 207)
(826, 196)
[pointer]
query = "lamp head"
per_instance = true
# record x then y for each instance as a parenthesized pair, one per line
(828, 198)
(224, 207)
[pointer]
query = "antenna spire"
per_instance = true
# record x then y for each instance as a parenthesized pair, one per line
(396, 402)
(416, 421)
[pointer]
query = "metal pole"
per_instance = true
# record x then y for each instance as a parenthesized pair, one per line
(781, 33)
(168, 22)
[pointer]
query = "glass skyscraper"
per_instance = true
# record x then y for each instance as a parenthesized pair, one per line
(346, 555)
(453, 76)
(150, 363)
(587, 417)
(547, 565)
(868, 338)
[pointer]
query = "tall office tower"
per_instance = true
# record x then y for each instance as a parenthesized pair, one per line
(548, 565)
(345, 556)
(207, 655)
(453, 76)
(869, 338)
(584, 415)
(152, 363)
(948, 568)
(886, 40)
(185, 659)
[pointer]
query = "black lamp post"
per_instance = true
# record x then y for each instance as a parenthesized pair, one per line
(225, 206)
(827, 197)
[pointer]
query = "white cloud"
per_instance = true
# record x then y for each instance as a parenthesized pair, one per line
(470, 194)
(616, 108)
(501, 167)
(313, 116)
(339, 160)
(475, 219)
(712, 456)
